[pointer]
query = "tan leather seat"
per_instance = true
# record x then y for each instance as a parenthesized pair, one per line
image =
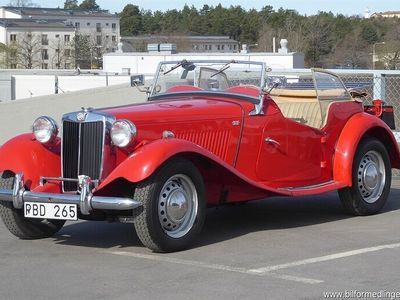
(299, 105)
(307, 113)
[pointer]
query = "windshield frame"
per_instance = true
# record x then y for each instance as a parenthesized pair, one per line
(154, 96)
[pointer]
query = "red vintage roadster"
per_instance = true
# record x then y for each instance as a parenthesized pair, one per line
(211, 132)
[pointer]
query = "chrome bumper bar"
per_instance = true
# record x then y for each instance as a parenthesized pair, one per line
(85, 199)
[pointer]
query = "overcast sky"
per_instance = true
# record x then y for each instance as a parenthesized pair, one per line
(347, 7)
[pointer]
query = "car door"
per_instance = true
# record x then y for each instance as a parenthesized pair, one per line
(291, 153)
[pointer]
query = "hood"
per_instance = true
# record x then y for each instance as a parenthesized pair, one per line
(176, 110)
(213, 124)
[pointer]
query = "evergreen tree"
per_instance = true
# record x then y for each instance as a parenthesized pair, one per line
(71, 4)
(89, 5)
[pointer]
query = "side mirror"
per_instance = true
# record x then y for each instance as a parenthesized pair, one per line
(137, 80)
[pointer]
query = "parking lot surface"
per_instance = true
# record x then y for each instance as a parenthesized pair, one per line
(279, 248)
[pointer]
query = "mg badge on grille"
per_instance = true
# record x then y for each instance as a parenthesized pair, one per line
(81, 116)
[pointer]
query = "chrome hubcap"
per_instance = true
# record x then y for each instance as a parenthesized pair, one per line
(371, 176)
(177, 206)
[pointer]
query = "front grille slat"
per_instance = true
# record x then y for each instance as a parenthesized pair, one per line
(82, 151)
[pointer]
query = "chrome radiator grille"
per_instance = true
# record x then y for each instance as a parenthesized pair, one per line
(82, 146)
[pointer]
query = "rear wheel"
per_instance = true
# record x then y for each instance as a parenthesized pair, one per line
(371, 179)
(15, 221)
(173, 207)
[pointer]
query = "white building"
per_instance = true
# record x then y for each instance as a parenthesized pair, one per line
(184, 43)
(100, 27)
(37, 44)
(146, 62)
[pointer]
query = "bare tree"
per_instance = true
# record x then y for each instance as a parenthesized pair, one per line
(266, 37)
(63, 54)
(99, 44)
(352, 51)
(389, 55)
(26, 52)
(389, 51)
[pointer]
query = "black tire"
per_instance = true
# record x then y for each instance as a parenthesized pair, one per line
(154, 225)
(17, 224)
(368, 195)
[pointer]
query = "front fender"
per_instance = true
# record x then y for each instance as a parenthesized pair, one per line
(358, 126)
(23, 154)
(146, 160)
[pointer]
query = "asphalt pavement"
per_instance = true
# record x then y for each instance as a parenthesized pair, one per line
(279, 248)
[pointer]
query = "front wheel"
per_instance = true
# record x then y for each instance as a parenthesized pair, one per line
(371, 178)
(173, 207)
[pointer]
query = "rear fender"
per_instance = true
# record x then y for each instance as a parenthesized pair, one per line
(23, 154)
(359, 126)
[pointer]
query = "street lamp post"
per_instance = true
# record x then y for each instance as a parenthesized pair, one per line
(374, 53)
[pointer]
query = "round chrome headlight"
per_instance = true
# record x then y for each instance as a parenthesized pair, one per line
(45, 129)
(123, 132)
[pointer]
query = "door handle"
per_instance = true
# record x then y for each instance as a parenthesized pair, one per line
(272, 141)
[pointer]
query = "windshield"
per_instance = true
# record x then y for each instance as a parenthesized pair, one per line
(223, 76)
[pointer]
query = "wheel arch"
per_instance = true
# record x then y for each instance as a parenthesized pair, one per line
(359, 127)
(217, 174)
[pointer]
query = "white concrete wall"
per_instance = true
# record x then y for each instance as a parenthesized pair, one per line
(27, 86)
(3, 35)
(146, 63)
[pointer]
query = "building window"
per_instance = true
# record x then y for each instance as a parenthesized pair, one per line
(98, 39)
(107, 24)
(67, 52)
(114, 38)
(88, 23)
(114, 26)
(13, 66)
(107, 37)
(234, 47)
(218, 47)
(45, 55)
(112, 49)
(57, 36)
(57, 65)
(45, 41)
(66, 38)
(13, 37)
(77, 25)
(45, 66)
(222, 47)
(98, 27)
(57, 50)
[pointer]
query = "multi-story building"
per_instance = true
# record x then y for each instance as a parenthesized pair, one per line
(210, 44)
(99, 30)
(386, 14)
(37, 43)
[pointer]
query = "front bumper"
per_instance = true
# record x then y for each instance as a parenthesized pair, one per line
(85, 199)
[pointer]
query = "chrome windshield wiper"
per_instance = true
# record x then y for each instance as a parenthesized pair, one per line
(223, 68)
(184, 61)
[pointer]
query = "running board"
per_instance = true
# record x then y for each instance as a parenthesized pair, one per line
(313, 189)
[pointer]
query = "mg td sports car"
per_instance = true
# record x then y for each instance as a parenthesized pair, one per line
(211, 133)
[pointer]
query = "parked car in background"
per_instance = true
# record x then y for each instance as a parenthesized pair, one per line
(211, 133)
